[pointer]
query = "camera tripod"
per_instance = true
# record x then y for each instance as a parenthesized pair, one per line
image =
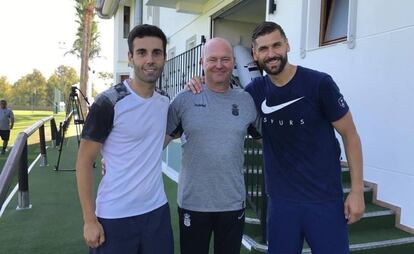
(78, 120)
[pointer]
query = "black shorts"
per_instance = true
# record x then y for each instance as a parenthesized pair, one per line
(5, 135)
(196, 229)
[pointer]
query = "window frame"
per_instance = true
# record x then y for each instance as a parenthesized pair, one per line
(126, 22)
(326, 21)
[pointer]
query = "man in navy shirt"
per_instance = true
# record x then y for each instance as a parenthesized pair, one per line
(301, 109)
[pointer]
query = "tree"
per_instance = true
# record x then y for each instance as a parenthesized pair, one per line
(62, 79)
(107, 77)
(30, 90)
(86, 46)
(5, 88)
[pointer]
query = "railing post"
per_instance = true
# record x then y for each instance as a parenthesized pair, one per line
(59, 134)
(43, 156)
(53, 131)
(263, 214)
(23, 194)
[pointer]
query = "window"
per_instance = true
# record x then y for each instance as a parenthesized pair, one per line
(334, 21)
(191, 42)
(124, 77)
(149, 12)
(127, 20)
(153, 15)
(156, 16)
(171, 53)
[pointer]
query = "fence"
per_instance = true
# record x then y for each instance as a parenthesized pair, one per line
(18, 161)
(180, 69)
(254, 180)
(32, 108)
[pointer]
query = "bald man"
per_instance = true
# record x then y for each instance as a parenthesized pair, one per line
(211, 191)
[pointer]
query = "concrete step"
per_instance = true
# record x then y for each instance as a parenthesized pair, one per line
(360, 242)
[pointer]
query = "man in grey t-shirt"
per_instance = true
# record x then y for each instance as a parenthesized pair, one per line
(213, 123)
(6, 124)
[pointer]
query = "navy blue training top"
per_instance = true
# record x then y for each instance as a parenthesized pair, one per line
(301, 153)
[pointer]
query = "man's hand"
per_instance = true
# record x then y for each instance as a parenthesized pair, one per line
(93, 234)
(354, 206)
(194, 84)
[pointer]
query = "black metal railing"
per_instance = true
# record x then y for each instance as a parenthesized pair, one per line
(18, 161)
(180, 69)
(254, 180)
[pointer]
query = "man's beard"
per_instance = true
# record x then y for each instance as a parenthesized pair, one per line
(273, 71)
(140, 74)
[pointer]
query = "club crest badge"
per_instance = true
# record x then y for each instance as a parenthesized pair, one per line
(187, 220)
(235, 109)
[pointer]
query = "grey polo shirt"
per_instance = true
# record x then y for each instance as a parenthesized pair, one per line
(6, 115)
(214, 127)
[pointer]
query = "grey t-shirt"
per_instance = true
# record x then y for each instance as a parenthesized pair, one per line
(5, 117)
(214, 126)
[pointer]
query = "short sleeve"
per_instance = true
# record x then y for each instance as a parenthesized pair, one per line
(332, 102)
(250, 88)
(99, 121)
(174, 117)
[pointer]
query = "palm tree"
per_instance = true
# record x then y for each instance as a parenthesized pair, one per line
(86, 46)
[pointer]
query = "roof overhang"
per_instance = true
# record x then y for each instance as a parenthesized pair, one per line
(106, 9)
(183, 6)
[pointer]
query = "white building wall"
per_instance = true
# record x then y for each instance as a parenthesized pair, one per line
(178, 32)
(238, 33)
(375, 79)
(179, 27)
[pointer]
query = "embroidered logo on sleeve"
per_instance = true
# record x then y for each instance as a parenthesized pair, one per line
(341, 102)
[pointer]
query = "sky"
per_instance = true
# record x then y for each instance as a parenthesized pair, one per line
(35, 34)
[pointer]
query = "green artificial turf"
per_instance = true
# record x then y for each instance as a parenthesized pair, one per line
(54, 223)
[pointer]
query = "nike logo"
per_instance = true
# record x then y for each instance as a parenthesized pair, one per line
(267, 110)
(241, 216)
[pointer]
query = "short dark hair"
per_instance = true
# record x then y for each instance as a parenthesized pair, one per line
(267, 27)
(3, 101)
(145, 30)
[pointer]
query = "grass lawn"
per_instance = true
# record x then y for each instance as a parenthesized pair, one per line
(23, 120)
